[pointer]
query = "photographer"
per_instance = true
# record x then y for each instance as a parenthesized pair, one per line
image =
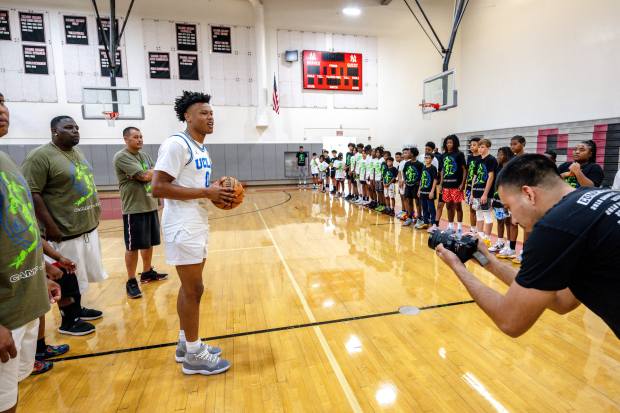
(570, 257)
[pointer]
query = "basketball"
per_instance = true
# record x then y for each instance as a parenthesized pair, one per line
(231, 182)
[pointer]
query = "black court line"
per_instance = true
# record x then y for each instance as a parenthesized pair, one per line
(118, 229)
(254, 332)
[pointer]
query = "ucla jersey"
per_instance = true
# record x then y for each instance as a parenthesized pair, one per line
(188, 161)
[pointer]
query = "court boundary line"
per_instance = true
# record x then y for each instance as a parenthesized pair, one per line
(346, 387)
(255, 332)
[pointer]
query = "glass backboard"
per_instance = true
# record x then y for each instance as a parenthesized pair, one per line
(440, 89)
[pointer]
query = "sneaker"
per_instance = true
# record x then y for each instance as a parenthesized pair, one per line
(133, 291)
(432, 229)
(41, 367)
(179, 354)
(407, 223)
(497, 247)
(486, 241)
(506, 253)
(203, 362)
(79, 328)
(52, 351)
(419, 225)
(152, 275)
(380, 208)
(90, 314)
(518, 259)
(459, 233)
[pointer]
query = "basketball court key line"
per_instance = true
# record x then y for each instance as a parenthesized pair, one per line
(346, 387)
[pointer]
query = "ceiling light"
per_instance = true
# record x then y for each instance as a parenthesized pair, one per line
(351, 11)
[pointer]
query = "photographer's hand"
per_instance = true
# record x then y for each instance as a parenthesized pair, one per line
(449, 258)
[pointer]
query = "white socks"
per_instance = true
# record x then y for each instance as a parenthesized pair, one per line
(182, 336)
(450, 225)
(459, 226)
(193, 346)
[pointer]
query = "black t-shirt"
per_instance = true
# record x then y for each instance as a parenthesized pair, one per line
(484, 166)
(576, 245)
(412, 172)
(591, 170)
(328, 160)
(452, 169)
(497, 203)
(429, 175)
(389, 174)
(472, 164)
(301, 158)
(348, 158)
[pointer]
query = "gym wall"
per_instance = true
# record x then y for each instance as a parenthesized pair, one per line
(388, 111)
(525, 63)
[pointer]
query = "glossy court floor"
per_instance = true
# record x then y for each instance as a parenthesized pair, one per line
(282, 267)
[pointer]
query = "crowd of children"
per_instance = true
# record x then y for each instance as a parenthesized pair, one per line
(372, 178)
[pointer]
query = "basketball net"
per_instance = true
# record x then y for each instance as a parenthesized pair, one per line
(110, 117)
(428, 109)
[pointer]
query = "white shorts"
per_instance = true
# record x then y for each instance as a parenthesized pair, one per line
(85, 251)
(401, 190)
(183, 247)
(391, 191)
(17, 369)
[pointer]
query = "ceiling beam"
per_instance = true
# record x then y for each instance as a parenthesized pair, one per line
(385, 2)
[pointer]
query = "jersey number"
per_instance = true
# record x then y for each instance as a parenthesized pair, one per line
(207, 177)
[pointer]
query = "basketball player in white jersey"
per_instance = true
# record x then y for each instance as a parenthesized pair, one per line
(182, 177)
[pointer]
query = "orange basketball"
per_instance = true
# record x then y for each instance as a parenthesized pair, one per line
(230, 182)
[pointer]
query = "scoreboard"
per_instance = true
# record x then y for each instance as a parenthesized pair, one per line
(332, 71)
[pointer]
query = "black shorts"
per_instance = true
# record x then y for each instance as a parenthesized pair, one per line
(141, 230)
(332, 173)
(411, 192)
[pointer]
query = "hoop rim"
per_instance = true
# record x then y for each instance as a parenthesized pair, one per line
(435, 106)
(110, 115)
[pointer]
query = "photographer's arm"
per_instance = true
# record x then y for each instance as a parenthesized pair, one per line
(515, 312)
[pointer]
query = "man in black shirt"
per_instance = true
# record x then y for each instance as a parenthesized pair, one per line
(584, 171)
(302, 169)
(571, 256)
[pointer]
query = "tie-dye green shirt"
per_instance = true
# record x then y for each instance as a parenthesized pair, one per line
(23, 288)
(65, 181)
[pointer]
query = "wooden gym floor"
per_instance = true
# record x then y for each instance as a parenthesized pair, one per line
(282, 264)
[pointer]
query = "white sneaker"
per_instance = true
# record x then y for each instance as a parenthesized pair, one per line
(506, 253)
(497, 247)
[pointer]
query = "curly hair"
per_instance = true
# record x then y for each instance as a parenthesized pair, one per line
(187, 99)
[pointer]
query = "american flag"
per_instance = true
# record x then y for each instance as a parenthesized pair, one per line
(276, 98)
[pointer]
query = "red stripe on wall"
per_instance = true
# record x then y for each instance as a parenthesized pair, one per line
(599, 136)
(541, 143)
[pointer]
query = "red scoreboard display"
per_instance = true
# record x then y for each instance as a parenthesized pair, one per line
(332, 71)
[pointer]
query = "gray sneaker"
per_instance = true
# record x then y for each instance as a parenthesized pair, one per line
(203, 362)
(179, 355)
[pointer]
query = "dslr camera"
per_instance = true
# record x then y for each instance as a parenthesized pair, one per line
(465, 247)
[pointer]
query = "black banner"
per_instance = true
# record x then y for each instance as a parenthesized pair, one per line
(76, 30)
(104, 64)
(186, 37)
(188, 66)
(220, 39)
(105, 25)
(159, 65)
(5, 26)
(35, 60)
(32, 27)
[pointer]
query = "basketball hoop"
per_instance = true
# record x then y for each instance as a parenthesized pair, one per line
(110, 117)
(428, 109)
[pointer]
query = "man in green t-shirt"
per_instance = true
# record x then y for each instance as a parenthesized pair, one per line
(24, 291)
(66, 203)
(134, 170)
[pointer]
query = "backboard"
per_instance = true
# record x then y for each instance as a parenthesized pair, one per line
(440, 89)
(126, 101)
